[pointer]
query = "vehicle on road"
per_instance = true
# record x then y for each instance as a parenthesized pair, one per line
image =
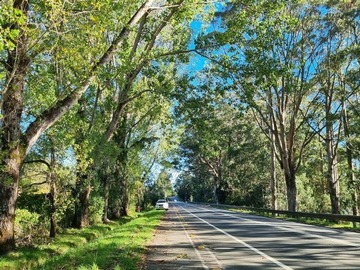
(162, 204)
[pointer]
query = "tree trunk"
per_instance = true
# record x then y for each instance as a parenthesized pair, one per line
(291, 190)
(82, 192)
(53, 211)
(8, 196)
(331, 153)
(221, 190)
(52, 197)
(116, 209)
(124, 197)
(12, 148)
(124, 207)
(52, 194)
(273, 170)
(106, 199)
(333, 185)
(350, 170)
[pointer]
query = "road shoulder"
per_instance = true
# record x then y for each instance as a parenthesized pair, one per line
(172, 247)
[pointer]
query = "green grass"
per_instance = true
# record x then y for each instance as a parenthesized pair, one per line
(118, 245)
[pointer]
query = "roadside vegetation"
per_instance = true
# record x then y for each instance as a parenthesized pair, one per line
(105, 104)
(279, 124)
(118, 245)
(344, 225)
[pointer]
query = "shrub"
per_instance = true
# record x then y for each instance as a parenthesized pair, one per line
(96, 209)
(27, 227)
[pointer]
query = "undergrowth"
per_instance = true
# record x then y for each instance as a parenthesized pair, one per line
(118, 245)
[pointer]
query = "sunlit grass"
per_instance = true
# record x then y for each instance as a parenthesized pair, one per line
(118, 245)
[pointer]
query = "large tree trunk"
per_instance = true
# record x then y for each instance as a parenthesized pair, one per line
(124, 191)
(12, 159)
(331, 151)
(287, 161)
(273, 183)
(115, 197)
(291, 190)
(125, 204)
(12, 150)
(82, 202)
(273, 179)
(350, 170)
(333, 185)
(8, 195)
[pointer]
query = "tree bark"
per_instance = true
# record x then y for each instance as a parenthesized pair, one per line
(12, 147)
(350, 170)
(82, 195)
(106, 198)
(273, 183)
(333, 184)
(331, 149)
(273, 177)
(8, 196)
(291, 190)
(52, 210)
(125, 199)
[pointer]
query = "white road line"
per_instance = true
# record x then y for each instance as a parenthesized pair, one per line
(287, 229)
(283, 266)
(219, 264)
(191, 241)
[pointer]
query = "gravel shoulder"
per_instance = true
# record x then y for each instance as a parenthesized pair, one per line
(173, 246)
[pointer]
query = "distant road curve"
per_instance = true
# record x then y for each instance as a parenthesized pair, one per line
(223, 239)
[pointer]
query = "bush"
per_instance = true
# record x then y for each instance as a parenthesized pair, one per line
(27, 227)
(96, 209)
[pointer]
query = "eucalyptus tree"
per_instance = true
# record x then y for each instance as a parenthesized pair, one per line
(337, 37)
(347, 20)
(268, 51)
(219, 151)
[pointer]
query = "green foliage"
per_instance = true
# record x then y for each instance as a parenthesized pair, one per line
(118, 245)
(28, 226)
(267, 62)
(10, 16)
(161, 188)
(96, 209)
(275, 58)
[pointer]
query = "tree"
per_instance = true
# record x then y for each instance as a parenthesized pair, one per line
(15, 141)
(269, 49)
(217, 134)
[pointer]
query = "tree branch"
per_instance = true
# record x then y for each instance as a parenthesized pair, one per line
(53, 114)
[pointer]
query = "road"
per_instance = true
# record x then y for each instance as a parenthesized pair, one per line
(200, 237)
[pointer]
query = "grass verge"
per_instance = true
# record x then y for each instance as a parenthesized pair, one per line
(343, 225)
(119, 245)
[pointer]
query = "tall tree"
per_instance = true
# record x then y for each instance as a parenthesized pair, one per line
(17, 141)
(269, 51)
(335, 63)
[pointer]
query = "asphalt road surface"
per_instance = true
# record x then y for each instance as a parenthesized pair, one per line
(199, 237)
